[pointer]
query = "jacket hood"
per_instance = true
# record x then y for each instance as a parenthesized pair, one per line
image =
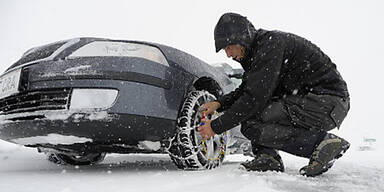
(233, 28)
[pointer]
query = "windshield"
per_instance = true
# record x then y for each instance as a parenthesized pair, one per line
(120, 49)
(38, 53)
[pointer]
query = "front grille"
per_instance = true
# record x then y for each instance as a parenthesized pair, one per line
(52, 99)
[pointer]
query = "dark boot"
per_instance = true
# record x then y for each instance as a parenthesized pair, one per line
(264, 162)
(330, 148)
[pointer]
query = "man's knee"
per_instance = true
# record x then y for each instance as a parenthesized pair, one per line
(322, 112)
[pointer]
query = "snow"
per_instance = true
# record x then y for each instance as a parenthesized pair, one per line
(99, 116)
(52, 139)
(150, 145)
(361, 169)
(77, 69)
(23, 169)
(77, 114)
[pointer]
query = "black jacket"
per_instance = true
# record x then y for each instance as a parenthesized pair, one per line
(277, 64)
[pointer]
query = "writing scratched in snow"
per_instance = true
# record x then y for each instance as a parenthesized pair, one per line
(120, 49)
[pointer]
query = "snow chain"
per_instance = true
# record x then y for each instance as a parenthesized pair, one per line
(187, 149)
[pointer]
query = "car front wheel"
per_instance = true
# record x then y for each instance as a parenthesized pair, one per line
(188, 149)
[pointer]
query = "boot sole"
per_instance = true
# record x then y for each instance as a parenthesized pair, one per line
(330, 151)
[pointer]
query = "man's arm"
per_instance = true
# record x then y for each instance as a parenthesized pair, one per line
(261, 83)
(227, 100)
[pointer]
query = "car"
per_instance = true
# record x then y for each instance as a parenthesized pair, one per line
(76, 100)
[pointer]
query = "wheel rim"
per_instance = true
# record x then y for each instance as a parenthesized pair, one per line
(211, 149)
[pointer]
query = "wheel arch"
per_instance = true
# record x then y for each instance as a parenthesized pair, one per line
(208, 84)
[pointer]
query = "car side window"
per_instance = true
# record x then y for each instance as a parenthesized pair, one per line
(120, 49)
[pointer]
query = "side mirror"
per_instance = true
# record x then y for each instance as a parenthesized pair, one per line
(229, 70)
(236, 73)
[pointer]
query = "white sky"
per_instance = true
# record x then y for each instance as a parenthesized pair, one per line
(349, 31)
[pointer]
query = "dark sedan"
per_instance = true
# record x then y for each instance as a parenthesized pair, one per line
(78, 99)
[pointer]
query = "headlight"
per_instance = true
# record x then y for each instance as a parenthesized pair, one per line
(92, 98)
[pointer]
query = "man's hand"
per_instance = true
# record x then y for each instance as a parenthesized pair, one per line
(206, 130)
(210, 108)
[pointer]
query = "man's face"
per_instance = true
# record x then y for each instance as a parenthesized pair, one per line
(235, 51)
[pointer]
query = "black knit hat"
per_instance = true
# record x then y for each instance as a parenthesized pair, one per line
(233, 28)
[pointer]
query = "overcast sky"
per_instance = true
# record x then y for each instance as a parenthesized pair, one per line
(349, 31)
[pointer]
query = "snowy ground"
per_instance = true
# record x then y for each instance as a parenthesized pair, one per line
(23, 169)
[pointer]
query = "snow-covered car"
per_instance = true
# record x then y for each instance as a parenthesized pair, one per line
(78, 99)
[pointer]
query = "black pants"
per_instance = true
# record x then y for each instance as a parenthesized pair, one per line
(295, 124)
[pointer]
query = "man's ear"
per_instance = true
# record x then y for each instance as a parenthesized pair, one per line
(242, 50)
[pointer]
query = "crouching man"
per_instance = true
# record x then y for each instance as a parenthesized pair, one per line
(290, 97)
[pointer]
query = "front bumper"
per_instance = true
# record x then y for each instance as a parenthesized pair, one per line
(83, 126)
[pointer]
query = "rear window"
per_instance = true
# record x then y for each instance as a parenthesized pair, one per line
(39, 53)
(120, 49)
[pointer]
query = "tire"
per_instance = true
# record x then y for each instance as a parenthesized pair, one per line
(65, 159)
(188, 150)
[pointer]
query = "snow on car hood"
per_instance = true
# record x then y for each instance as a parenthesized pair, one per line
(52, 138)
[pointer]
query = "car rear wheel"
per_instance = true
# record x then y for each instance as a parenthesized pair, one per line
(188, 150)
(86, 159)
